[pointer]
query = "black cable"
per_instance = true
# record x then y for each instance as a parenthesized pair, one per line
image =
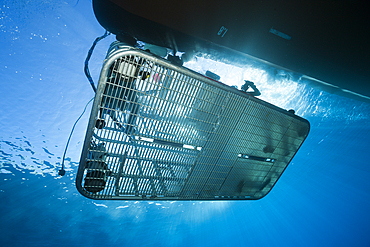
(86, 69)
(62, 171)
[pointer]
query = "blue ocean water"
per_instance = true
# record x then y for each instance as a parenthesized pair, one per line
(322, 199)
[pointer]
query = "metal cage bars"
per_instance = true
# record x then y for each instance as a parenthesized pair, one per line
(163, 132)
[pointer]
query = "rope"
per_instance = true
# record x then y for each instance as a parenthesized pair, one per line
(62, 171)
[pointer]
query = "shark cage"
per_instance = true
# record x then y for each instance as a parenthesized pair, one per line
(158, 131)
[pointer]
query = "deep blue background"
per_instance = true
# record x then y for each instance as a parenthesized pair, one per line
(322, 199)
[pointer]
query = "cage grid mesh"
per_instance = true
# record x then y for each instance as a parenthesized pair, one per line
(162, 132)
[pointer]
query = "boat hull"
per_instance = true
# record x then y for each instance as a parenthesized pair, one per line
(323, 42)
